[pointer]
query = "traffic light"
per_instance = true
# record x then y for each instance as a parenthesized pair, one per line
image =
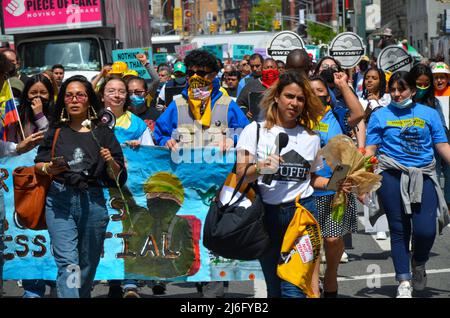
(212, 28)
(301, 30)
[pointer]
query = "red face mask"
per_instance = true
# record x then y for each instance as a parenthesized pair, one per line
(269, 77)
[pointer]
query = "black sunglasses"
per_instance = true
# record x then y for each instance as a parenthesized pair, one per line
(201, 73)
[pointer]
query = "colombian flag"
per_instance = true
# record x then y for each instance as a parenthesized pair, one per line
(8, 110)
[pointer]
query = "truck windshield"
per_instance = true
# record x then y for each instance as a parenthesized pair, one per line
(75, 54)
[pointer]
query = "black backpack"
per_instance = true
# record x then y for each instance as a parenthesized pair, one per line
(237, 232)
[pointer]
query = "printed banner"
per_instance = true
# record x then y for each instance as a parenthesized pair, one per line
(129, 56)
(25, 16)
(216, 50)
(160, 58)
(240, 50)
(168, 201)
(183, 50)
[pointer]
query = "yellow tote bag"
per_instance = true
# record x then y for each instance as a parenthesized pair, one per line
(300, 250)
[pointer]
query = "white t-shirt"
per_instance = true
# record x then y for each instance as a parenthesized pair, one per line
(300, 156)
(383, 101)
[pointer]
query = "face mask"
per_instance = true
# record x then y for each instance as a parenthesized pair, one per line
(180, 80)
(269, 77)
(201, 87)
(137, 101)
(403, 104)
(328, 76)
(421, 92)
(324, 100)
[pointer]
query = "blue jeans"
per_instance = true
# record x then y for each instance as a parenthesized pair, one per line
(277, 219)
(423, 219)
(77, 221)
(443, 168)
(2, 233)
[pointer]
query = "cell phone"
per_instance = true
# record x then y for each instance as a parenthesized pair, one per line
(339, 174)
(60, 162)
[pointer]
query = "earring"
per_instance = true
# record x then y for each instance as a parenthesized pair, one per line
(62, 118)
(94, 114)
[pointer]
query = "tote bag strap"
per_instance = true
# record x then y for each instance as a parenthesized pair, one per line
(55, 138)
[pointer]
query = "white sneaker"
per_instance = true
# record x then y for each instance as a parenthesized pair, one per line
(381, 236)
(404, 290)
(419, 277)
(344, 258)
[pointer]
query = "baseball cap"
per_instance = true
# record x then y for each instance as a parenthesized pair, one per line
(365, 58)
(179, 67)
(440, 68)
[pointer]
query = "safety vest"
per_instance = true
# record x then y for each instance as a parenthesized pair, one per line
(191, 134)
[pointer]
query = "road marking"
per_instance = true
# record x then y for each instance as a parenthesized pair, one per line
(260, 288)
(365, 277)
(385, 245)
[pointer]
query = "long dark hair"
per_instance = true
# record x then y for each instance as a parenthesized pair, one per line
(319, 64)
(404, 80)
(428, 99)
(381, 85)
(25, 109)
(60, 103)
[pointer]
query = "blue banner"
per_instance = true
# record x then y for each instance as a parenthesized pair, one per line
(168, 195)
(129, 56)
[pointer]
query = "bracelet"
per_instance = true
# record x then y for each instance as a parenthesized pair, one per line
(44, 169)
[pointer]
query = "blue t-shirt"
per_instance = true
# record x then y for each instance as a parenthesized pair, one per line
(328, 128)
(406, 135)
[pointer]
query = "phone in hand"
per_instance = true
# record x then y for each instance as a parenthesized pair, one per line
(59, 162)
(340, 172)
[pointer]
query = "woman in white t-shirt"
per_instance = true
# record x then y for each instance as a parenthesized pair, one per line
(290, 107)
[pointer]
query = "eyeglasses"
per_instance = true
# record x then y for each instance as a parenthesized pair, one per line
(327, 66)
(201, 73)
(136, 92)
(113, 92)
(80, 97)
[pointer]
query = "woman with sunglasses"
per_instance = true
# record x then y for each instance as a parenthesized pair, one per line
(129, 128)
(403, 136)
(88, 158)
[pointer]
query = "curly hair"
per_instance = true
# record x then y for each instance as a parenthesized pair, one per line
(201, 58)
(381, 85)
(309, 118)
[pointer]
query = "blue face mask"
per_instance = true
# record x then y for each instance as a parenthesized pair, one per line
(180, 80)
(421, 92)
(403, 104)
(137, 101)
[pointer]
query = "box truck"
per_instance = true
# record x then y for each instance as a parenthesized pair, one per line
(79, 34)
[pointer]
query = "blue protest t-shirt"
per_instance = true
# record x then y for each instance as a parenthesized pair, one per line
(328, 128)
(406, 135)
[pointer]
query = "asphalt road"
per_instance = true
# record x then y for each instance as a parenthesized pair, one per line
(368, 274)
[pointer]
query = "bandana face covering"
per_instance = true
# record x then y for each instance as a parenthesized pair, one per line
(269, 77)
(199, 101)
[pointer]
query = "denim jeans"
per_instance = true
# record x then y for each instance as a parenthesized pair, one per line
(443, 170)
(423, 219)
(2, 233)
(277, 219)
(77, 221)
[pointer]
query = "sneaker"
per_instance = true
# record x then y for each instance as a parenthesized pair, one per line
(419, 277)
(381, 236)
(344, 258)
(115, 292)
(404, 290)
(131, 293)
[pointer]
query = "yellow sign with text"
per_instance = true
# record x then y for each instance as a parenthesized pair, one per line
(178, 19)
(417, 122)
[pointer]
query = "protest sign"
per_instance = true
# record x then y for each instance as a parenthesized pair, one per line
(283, 43)
(216, 50)
(394, 58)
(240, 50)
(183, 50)
(347, 48)
(129, 56)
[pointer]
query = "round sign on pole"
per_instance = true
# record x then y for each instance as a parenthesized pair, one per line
(347, 48)
(394, 58)
(283, 43)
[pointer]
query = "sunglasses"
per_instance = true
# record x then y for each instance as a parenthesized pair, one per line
(80, 97)
(201, 73)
